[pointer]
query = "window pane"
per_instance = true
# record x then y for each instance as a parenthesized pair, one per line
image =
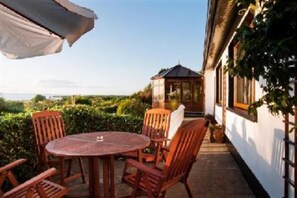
(186, 91)
(244, 91)
(197, 91)
(173, 91)
(219, 82)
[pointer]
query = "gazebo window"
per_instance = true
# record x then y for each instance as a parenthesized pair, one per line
(197, 91)
(186, 91)
(173, 91)
(158, 89)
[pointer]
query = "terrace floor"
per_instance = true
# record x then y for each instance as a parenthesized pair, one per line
(215, 174)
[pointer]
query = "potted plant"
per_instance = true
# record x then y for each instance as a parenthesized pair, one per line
(216, 130)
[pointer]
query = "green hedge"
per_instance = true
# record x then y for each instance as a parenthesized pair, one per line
(16, 141)
(16, 132)
(82, 119)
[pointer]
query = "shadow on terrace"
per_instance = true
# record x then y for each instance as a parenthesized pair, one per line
(215, 174)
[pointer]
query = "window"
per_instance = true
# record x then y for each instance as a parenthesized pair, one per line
(219, 84)
(243, 87)
(158, 90)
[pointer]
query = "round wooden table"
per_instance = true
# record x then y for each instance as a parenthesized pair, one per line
(94, 145)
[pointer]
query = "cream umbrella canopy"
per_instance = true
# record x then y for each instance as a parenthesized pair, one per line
(31, 28)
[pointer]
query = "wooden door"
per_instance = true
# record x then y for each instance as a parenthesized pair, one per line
(192, 94)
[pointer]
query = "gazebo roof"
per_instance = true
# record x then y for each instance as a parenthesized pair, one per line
(177, 72)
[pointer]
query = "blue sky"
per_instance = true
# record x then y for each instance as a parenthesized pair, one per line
(132, 40)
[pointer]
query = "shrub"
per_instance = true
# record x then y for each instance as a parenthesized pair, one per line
(109, 109)
(83, 100)
(132, 107)
(14, 107)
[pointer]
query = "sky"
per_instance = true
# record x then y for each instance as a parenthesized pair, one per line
(132, 41)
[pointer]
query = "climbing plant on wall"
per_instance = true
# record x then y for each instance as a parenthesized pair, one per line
(270, 48)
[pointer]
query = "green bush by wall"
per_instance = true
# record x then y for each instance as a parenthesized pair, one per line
(17, 140)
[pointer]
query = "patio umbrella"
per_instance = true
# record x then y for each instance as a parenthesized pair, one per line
(31, 28)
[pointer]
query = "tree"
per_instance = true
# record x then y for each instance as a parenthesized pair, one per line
(269, 52)
(38, 98)
(162, 70)
(145, 95)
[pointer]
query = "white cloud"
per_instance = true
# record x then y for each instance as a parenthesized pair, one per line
(56, 84)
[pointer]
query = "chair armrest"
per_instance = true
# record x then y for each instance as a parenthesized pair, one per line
(12, 165)
(33, 181)
(143, 168)
(159, 140)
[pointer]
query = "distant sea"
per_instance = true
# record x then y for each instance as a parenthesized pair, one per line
(21, 97)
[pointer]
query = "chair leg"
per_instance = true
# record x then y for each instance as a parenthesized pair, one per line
(82, 170)
(137, 180)
(188, 189)
(162, 195)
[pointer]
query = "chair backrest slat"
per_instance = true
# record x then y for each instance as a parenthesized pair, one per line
(156, 123)
(184, 149)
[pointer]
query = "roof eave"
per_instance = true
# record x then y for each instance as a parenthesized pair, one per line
(221, 18)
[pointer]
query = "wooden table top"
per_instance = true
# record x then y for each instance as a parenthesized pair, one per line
(97, 144)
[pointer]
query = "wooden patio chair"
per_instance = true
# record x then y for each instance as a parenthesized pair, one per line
(183, 150)
(48, 125)
(35, 187)
(156, 125)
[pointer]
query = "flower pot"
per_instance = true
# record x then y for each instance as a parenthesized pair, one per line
(211, 136)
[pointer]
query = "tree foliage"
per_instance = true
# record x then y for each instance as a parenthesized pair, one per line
(270, 50)
(2, 104)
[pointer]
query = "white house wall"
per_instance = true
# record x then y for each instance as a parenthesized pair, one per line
(209, 79)
(259, 143)
(261, 147)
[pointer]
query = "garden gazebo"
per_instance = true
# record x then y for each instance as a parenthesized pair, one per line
(178, 85)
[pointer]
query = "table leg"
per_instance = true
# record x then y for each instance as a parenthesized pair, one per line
(112, 185)
(139, 155)
(94, 177)
(108, 176)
